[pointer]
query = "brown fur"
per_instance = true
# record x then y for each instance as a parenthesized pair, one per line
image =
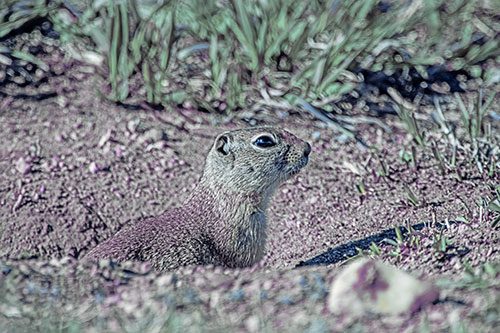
(223, 222)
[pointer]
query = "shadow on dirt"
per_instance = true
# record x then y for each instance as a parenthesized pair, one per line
(350, 249)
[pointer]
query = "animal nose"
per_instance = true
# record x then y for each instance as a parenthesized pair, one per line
(308, 150)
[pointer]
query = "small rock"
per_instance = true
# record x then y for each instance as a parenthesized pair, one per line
(58, 137)
(5, 60)
(66, 16)
(152, 135)
(73, 136)
(10, 311)
(267, 285)
(92, 58)
(368, 286)
(133, 124)
(156, 146)
(119, 150)
(6, 102)
(165, 280)
(105, 138)
(252, 323)
(62, 101)
(22, 166)
(94, 167)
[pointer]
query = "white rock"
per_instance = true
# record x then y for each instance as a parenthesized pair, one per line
(94, 167)
(22, 166)
(368, 286)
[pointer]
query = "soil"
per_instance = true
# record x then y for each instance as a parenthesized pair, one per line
(75, 169)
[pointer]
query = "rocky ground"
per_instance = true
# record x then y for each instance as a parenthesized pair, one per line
(74, 169)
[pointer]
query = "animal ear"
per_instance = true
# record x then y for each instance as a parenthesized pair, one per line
(222, 144)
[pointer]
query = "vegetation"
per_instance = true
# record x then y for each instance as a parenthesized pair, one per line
(309, 49)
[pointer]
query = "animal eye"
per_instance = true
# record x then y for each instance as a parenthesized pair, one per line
(264, 142)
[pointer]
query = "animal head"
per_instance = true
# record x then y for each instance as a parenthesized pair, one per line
(255, 160)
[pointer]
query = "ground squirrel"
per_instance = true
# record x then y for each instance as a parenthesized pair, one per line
(223, 222)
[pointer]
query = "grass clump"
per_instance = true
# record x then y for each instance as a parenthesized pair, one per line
(265, 50)
(14, 14)
(134, 39)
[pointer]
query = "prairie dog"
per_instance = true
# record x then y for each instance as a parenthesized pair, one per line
(223, 222)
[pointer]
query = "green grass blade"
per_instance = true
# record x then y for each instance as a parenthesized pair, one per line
(113, 52)
(124, 65)
(244, 18)
(399, 236)
(30, 58)
(412, 197)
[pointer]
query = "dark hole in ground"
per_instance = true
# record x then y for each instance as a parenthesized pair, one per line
(35, 97)
(348, 250)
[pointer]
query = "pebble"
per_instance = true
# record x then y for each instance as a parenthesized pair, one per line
(94, 167)
(158, 145)
(252, 323)
(152, 135)
(22, 166)
(119, 150)
(105, 138)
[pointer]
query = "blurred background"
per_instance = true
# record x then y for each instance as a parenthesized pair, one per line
(331, 58)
